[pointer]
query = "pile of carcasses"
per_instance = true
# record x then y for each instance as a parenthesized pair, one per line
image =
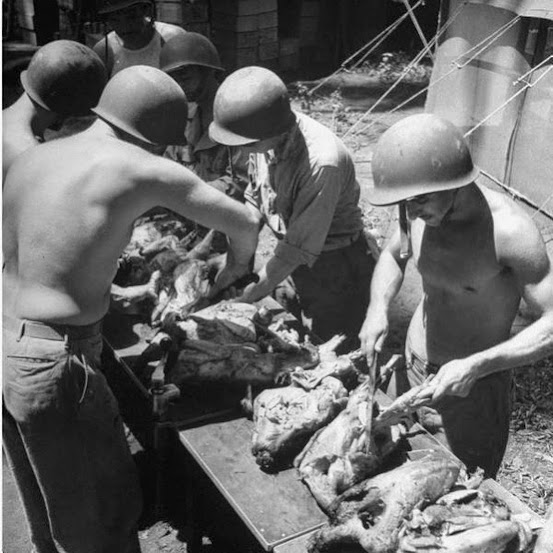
(182, 254)
(312, 413)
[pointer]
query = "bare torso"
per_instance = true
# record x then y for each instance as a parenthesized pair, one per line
(68, 213)
(69, 208)
(470, 299)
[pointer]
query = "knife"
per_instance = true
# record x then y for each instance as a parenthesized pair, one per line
(370, 401)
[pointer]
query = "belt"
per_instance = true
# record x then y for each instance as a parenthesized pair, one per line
(419, 366)
(342, 241)
(49, 331)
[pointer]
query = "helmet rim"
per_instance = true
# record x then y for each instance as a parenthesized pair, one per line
(169, 68)
(229, 138)
(390, 196)
(31, 92)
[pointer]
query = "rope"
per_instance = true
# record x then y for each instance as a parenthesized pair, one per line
(540, 208)
(519, 196)
(417, 27)
(377, 40)
(405, 72)
(456, 67)
(506, 102)
(523, 77)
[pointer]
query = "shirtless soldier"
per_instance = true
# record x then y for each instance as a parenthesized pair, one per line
(69, 207)
(478, 253)
(63, 78)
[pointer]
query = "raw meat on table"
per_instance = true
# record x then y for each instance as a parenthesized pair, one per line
(338, 456)
(369, 515)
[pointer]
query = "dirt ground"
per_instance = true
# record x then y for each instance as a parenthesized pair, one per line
(528, 467)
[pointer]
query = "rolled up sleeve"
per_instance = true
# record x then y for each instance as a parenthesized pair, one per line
(311, 217)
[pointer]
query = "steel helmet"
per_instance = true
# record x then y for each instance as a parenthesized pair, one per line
(419, 155)
(251, 104)
(189, 48)
(145, 103)
(65, 77)
(111, 6)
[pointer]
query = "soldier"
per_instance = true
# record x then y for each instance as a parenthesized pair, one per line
(137, 38)
(193, 61)
(302, 181)
(478, 254)
(64, 78)
(69, 208)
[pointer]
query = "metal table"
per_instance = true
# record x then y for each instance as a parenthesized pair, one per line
(274, 508)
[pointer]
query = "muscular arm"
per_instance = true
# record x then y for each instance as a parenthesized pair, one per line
(385, 284)
(521, 249)
(175, 187)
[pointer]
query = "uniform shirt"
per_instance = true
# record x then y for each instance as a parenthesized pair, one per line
(120, 57)
(307, 193)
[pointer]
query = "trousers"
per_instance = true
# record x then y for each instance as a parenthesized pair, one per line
(332, 296)
(476, 426)
(65, 442)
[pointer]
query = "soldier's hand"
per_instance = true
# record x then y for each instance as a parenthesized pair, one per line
(455, 378)
(373, 334)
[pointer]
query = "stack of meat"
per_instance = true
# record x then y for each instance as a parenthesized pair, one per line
(185, 262)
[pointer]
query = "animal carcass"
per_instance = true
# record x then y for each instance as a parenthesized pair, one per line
(286, 418)
(369, 515)
(224, 344)
(185, 281)
(338, 456)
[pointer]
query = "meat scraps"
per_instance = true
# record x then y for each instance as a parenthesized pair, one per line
(463, 521)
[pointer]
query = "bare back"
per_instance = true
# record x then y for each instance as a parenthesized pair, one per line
(69, 206)
(470, 296)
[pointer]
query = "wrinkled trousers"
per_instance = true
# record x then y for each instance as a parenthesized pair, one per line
(476, 426)
(64, 439)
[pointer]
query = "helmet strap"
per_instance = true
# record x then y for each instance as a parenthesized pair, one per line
(404, 232)
(451, 209)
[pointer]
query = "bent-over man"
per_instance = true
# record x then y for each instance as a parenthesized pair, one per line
(302, 181)
(69, 207)
(478, 254)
